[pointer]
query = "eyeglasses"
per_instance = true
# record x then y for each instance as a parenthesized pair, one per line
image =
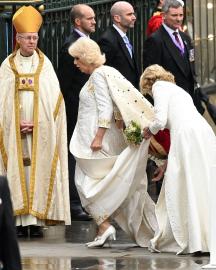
(29, 38)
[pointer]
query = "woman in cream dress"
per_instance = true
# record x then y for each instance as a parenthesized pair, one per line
(182, 207)
(110, 177)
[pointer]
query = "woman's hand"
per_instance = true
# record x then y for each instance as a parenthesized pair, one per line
(159, 172)
(96, 144)
(146, 133)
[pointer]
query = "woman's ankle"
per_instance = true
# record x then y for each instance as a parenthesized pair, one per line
(103, 227)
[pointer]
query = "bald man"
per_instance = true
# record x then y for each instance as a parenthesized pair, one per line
(71, 81)
(115, 44)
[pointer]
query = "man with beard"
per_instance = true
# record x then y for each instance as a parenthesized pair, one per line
(116, 45)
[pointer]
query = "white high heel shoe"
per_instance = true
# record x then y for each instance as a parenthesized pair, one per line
(108, 235)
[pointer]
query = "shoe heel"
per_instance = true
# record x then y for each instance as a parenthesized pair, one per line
(112, 237)
(107, 237)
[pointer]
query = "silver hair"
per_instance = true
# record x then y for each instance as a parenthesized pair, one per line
(172, 4)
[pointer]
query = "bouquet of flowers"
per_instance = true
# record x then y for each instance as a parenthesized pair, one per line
(133, 133)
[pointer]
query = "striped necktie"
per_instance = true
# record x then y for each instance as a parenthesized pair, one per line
(178, 42)
(128, 45)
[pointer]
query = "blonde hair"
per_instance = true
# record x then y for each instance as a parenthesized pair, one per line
(152, 74)
(87, 51)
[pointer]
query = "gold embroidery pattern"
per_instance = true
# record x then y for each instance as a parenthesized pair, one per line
(90, 87)
(104, 123)
(60, 98)
(26, 83)
(2, 149)
(50, 222)
(25, 209)
(117, 115)
(35, 129)
(50, 192)
(54, 161)
(101, 219)
(36, 214)
(52, 179)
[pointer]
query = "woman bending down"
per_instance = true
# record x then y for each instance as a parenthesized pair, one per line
(183, 204)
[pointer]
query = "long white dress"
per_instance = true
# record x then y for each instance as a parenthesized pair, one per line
(183, 204)
(112, 182)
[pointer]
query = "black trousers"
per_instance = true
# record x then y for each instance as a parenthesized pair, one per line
(74, 196)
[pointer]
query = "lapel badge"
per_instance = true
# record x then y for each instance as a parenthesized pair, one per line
(191, 55)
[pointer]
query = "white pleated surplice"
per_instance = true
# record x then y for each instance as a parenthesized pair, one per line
(183, 207)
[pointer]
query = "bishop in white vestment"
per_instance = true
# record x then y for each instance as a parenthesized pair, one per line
(33, 141)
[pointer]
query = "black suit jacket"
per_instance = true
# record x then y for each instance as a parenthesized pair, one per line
(9, 252)
(160, 49)
(117, 55)
(71, 81)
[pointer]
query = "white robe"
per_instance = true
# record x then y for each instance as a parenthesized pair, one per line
(182, 209)
(113, 182)
(40, 191)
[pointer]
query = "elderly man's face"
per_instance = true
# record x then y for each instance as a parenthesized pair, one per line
(27, 42)
(174, 18)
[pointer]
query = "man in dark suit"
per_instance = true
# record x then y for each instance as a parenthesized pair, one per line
(171, 48)
(9, 251)
(115, 44)
(71, 81)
